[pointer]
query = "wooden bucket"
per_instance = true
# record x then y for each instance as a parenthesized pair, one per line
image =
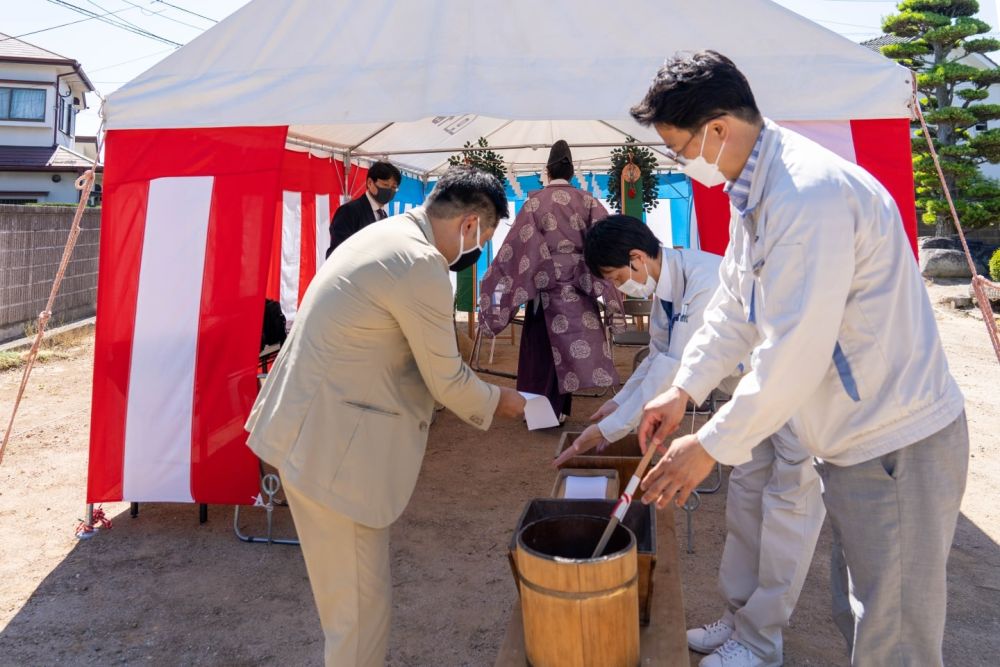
(578, 611)
(641, 520)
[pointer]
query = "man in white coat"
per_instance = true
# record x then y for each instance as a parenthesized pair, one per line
(774, 510)
(820, 285)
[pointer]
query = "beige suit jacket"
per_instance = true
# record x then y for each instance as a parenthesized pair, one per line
(345, 410)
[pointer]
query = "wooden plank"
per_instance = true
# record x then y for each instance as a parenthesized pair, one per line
(663, 642)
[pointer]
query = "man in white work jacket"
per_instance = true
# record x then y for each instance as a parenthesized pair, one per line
(820, 285)
(774, 510)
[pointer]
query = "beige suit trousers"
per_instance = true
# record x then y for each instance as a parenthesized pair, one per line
(348, 566)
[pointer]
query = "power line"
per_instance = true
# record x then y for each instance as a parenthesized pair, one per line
(123, 26)
(186, 11)
(119, 19)
(62, 25)
(135, 30)
(146, 11)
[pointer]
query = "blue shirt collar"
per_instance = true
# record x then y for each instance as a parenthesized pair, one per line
(739, 190)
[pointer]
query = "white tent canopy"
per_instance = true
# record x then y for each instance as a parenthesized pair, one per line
(397, 78)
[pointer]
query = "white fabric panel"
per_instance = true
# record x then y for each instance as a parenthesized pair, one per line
(291, 251)
(834, 135)
(537, 67)
(322, 228)
(157, 461)
(659, 223)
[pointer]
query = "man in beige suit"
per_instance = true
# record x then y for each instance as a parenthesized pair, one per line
(345, 411)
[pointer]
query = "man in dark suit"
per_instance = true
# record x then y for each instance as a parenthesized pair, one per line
(380, 187)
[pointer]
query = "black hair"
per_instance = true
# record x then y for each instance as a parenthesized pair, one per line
(463, 189)
(560, 162)
(560, 169)
(384, 170)
(609, 242)
(693, 88)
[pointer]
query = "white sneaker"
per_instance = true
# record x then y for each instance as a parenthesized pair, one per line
(709, 637)
(731, 654)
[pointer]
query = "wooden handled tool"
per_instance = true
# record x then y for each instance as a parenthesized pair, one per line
(621, 509)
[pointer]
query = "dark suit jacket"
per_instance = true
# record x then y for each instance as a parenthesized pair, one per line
(348, 219)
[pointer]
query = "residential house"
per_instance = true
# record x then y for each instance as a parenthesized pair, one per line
(40, 94)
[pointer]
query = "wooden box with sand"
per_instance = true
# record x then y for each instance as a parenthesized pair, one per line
(623, 456)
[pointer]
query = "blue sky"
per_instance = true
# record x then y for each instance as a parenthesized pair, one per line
(112, 56)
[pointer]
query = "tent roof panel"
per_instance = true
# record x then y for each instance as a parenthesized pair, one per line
(312, 62)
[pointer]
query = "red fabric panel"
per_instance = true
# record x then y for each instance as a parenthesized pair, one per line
(295, 171)
(711, 206)
(883, 148)
(223, 470)
(245, 162)
(123, 221)
(307, 256)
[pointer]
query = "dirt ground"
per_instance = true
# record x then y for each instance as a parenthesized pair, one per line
(161, 589)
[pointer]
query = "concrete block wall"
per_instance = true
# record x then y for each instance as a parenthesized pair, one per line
(32, 240)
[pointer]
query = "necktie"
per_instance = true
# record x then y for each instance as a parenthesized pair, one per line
(380, 214)
(668, 308)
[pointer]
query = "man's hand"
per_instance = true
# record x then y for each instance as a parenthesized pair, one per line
(603, 411)
(678, 473)
(661, 417)
(511, 404)
(586, 441)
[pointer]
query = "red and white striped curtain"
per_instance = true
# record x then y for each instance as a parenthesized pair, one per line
(880, 146)
(311, 188)
(185, 249)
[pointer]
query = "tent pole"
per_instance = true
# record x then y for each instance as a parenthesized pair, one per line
(427, 151)
(345, 196)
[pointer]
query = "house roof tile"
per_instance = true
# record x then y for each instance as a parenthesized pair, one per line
(41, 158)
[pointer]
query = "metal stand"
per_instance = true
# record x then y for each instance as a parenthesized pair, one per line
(270, 484)
(133, 510)
(708, 490)
(712, 405)
(474, 356)
(202, 513)
(693, 503)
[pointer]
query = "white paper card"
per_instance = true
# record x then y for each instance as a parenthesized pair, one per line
(538, 411)
(586, 487)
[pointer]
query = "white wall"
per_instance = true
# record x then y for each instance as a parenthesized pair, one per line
(32, 133)
(62, 192)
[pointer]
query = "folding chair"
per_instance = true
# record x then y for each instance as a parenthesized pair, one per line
(475, 356)
(270, 484)
(616, 327)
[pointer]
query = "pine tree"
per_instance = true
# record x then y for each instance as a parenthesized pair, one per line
(936, 35)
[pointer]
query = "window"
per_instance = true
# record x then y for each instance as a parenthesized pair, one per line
(22, 104)
(18, 201)
(982, 127)
(65, 115)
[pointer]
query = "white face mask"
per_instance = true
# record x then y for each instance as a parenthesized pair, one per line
(633, 288)
(699, 168)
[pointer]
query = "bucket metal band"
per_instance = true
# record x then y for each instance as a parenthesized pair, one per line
(567, 595)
